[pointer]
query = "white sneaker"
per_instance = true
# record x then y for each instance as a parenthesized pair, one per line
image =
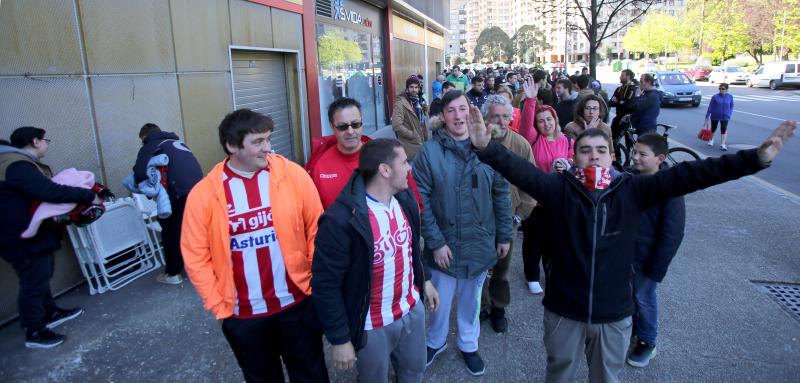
(711, 142)
(535, 288)
(723, 147)
(169, 279)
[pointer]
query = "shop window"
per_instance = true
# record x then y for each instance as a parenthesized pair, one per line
(351, 65)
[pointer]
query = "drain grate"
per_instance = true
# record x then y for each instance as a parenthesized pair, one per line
(786, 295)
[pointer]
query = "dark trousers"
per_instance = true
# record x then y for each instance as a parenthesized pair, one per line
(533, 237)
(497, 289)
(35, 301)
(259, 344)
(171, 237)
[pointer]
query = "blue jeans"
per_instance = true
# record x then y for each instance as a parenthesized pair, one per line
(645, 319)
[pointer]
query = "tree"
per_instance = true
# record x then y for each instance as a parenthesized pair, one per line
(598, 19)
(727, 33)
(526, 42)
(493, 45)
(659, 32)
(787, 28)
(760, 29)
(335, 50)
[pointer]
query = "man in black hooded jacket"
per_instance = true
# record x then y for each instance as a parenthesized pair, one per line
(183, 172)
(368, 290)
(595, 215)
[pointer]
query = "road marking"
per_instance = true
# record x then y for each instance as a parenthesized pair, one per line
(749, 98)
(754, 114)
(760, 115)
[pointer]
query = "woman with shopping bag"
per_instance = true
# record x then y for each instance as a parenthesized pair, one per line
(719, 112)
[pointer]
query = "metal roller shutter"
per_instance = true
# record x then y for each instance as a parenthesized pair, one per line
(259, 83)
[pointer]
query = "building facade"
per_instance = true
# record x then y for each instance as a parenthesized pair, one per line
(92, 72)
(457, 38)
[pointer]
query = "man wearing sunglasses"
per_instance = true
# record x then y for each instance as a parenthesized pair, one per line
(334, 158)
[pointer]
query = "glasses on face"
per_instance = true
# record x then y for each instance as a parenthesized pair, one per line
(343, 127)
(498, 117)
(47, 140)
(591, 108)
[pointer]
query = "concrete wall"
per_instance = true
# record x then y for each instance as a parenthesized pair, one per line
(91, 72)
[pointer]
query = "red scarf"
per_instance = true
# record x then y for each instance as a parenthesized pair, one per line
(594, 177)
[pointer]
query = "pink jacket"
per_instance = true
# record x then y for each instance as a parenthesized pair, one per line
(69, 177)
(544, 150)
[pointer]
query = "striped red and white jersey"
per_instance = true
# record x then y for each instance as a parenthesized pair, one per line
(393, 292)
(263, 286)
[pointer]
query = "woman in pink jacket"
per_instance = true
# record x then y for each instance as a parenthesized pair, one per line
(552, 151)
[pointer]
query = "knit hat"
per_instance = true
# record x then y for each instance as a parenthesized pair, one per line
(413, 79)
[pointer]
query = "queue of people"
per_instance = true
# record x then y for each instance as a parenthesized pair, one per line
(374, 237)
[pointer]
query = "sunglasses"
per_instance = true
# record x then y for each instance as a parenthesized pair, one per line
(343, 127)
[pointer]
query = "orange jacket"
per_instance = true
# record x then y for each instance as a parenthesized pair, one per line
(205, 239)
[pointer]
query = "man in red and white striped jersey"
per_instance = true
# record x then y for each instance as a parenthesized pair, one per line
(367, 273)
(247, 243)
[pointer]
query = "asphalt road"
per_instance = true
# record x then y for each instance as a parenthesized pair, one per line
(757, 111)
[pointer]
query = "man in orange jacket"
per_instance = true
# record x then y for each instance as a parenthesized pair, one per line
(247, 243)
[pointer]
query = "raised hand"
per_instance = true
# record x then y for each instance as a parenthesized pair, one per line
(530, 87)
(479, 133)
(774, 143)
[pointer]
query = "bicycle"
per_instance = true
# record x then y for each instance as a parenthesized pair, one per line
(624, 153)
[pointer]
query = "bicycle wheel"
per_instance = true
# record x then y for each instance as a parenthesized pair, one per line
(680, 154)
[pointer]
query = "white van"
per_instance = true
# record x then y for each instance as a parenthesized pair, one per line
(774, 75)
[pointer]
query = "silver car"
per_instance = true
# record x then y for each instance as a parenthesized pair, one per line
(728, 74)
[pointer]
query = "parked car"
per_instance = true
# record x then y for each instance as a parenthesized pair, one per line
(775, 75)
(728, 74)
(698, 73)
(676, 89)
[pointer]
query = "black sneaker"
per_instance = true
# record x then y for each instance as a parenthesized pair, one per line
(432, 352)
(499, 321)
(62, 315)
(641, 355)
(484, 315)
(44, 338)
(474, 363)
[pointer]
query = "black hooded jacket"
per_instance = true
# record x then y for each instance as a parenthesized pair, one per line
(341, 273)
(593, 236)
(184, 170)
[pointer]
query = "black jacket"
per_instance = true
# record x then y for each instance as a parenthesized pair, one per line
(645, 111)
(341, 273)
(184, 170)
(593, 239)
(566, 110)
(476, 97)
(660, 235)
(624, 95)
(436, 107)
(24, 179)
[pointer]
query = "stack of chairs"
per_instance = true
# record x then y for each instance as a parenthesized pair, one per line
(116, 249)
